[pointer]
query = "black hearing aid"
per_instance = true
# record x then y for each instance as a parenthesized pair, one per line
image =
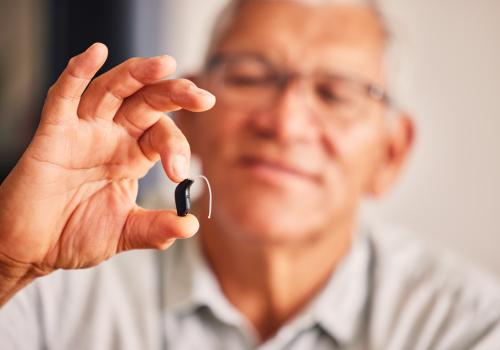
(183, 197)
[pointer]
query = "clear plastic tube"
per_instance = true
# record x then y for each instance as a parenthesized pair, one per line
(209, 195)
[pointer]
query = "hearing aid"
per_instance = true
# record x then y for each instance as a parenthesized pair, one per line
(183, 196)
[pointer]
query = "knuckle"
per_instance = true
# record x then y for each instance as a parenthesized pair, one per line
(50, 91)
(185, 84)
(132, 60)
(154, 66)
(148, 100)
(72, 61)
(73, 69)
(168, 125)
(104, 85)
(166, 139)
(131, 63)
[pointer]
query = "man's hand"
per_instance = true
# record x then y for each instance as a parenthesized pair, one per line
(70, 201)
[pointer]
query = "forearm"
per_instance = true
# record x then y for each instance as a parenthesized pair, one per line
(13, 278)
(14, 275)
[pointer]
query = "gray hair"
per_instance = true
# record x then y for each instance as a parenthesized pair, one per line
(226, 16)
(229, 12)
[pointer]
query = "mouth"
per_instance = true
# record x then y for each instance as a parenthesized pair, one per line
(275, 170)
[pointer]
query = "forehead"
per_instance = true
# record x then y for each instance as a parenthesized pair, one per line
(349, 36)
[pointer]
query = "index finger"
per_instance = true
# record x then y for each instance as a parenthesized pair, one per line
(106, 93)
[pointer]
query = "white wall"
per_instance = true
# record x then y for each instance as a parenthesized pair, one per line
(451, 191)
(450, 81)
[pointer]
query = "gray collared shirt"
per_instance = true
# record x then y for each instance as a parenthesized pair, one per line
(388, 293)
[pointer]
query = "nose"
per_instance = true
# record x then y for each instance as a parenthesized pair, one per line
(289, 118)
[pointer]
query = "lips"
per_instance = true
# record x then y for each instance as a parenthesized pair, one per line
(274, 167)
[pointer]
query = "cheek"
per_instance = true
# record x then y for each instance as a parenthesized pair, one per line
(214, 131)
(359, 153)
(216, 141)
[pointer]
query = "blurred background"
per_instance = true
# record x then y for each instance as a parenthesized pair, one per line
(446, 72)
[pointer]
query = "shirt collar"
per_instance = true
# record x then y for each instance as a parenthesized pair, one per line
(338, 309)
(195, 285)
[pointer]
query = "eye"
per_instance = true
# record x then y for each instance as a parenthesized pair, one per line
(248, 74)
(332, 92)
(246, 80)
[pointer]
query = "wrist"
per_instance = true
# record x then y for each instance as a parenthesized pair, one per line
(15, 276)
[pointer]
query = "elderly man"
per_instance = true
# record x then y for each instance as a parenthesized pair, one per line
(303, 129)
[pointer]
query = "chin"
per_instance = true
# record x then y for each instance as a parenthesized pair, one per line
(268, 222)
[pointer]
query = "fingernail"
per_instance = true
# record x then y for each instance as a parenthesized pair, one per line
(180, 166)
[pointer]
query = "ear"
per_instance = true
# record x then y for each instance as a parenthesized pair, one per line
(400, 139)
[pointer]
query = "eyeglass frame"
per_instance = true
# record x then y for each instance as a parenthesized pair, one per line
(283, 78)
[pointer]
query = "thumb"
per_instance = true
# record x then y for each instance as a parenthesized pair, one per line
(156, 229)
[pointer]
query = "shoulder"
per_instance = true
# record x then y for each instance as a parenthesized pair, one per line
(399, 253)
(429, 298)
(118, 298)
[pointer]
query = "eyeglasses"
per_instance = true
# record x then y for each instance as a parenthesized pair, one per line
(249, 81)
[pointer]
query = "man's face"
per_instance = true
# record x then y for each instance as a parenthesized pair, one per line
(286, 172)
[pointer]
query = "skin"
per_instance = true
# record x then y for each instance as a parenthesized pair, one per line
(83, 164)
(288, 213)
(292, 210)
